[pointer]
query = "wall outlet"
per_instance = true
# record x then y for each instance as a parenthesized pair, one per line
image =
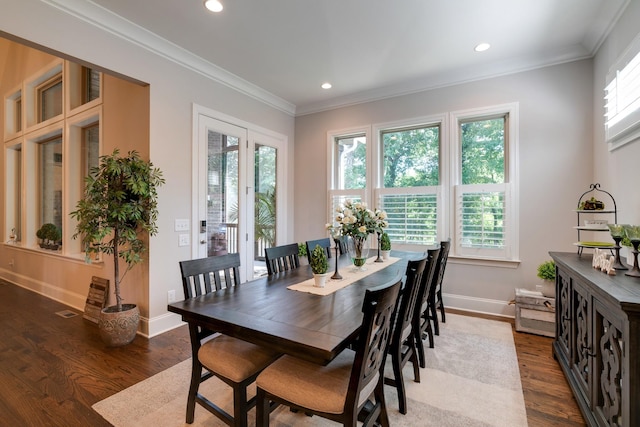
(171, 296)
(183, 240)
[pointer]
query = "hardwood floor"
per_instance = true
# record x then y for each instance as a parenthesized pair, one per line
(53, 369)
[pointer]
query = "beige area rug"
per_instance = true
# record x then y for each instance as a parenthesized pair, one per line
(472, 379)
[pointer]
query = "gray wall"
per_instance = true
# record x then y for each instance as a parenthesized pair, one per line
(174, 90)
(616, 170)
(555, 159)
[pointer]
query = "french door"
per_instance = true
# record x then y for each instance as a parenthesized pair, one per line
(239, 205)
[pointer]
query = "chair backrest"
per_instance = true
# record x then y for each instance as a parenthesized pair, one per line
(373, 339)
(282, 258)
(323, 243)
(445, 245)
(407, 301)
(205, 275)
(342, 245)
(425, 284)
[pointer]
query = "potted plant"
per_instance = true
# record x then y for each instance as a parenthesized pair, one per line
(385, 245)
(115, 215)
(319, 265)
(49, 235)
(302, 253)
(547, 272)
(625, 243)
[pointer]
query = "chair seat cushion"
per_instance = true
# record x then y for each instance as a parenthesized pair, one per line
(309, 385)
(233, 358)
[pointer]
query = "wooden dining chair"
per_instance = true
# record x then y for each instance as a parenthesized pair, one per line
(402, 346)
(281, 258)
(352, 381)
(422, 325)
(435, 295)
(234, 361)
(323, 243)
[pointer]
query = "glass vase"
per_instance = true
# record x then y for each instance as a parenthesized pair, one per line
(358, 247)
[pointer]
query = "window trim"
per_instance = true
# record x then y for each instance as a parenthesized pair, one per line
(512, 179)
(450, 154)
(626, 129)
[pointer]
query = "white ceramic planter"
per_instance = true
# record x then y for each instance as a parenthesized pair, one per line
(320, 280)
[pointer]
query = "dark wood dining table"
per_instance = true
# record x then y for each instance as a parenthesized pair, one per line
(263, 311)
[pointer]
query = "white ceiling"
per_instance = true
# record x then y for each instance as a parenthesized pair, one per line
(368, 49)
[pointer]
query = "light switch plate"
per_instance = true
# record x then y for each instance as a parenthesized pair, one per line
(181, 225)
(183, 240)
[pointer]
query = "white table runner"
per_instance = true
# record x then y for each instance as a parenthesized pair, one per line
(349, 275)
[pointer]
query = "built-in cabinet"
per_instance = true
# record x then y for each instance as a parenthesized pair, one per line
(597, 340)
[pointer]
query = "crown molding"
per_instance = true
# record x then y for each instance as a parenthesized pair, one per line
(107, 21)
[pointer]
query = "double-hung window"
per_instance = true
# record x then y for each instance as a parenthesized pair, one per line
(349, 154)
(448, 176)
(409, 189)
(484, 207)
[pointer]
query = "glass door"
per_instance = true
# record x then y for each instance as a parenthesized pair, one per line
(239, 206)
(220, 199)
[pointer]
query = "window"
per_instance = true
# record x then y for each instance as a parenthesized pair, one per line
(410, 183)
(13, 189)
(18, 114)
(447, 176)
(50, 182)
(91, 84)
(50, 99)
(349, 171)
(622, 98)
(484, 223)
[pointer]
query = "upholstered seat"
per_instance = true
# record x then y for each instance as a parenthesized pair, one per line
(234, 361)
(352, 381)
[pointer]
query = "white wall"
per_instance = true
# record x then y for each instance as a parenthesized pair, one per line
(616, 170)
(174, 90)
(555, 168)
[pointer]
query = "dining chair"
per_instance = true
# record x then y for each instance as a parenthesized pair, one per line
(281, 258)
(234, 361)
(323, 243)
(435, 295)
(422, 325)
(402, 346)
(349, 385)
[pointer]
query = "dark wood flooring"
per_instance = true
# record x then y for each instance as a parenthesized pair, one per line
(53, 369)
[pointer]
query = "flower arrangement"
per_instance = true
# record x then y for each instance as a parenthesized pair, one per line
(356, 220)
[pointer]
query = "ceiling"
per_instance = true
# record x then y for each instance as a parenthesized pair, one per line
(367, 49)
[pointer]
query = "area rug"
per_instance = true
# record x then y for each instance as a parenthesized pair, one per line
(471, 379)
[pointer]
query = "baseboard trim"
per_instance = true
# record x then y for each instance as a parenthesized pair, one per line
(479, 305)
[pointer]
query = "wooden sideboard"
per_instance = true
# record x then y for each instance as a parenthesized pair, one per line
(597, 340)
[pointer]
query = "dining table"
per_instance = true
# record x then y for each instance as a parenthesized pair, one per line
(266, 312)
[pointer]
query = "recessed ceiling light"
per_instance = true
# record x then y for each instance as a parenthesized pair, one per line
(482, 47)
(326, 86)
(213, 5)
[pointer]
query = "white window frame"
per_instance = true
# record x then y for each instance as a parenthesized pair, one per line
(439, 191)
(364, 194)
(622, 98)
(510, 252)
(450, 178)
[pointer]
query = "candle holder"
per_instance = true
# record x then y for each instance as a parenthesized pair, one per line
(336, 275)
(633, 233)
(379, 259)
(617, 233)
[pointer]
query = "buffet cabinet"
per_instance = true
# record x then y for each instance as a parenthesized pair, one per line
(597, 339)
